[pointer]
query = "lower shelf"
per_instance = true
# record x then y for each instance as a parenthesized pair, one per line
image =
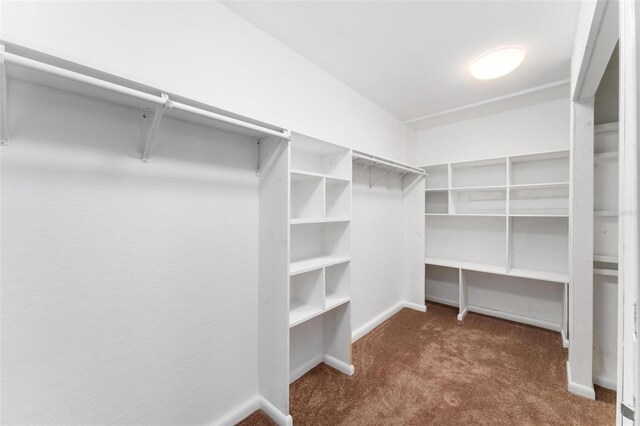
(307, 265)
(500, 270)
(334, 300)
(303, 312)
(491, 269)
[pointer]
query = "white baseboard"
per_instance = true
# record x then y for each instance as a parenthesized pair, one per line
(342, 367)
(366, 328)
(565, 341)
(276, 415)
(415, 306)
(578, 389)
(302, 370)
(549, 325)
(605, 382)
(239, 412)
(376, 321)
(442, 300)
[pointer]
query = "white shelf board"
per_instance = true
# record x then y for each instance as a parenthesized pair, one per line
(319, 220)
(606, 213)
(436, 189)
(304, 312)
(301, 313)
(319, 175)
(605, 258)
(334, 300)
(479, 188)
(549, 185)
(468, 214)
(539, 275)
(499, 270)
(607, 272)
(491, 269)
(537, 215)
(606, 156)
(307, 265)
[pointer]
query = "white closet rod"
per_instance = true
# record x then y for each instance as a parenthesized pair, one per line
(377, 160)
(154, 99)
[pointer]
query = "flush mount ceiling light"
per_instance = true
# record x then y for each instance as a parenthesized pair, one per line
(497, 63)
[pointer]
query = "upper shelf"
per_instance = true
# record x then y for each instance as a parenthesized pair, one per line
(525, 171)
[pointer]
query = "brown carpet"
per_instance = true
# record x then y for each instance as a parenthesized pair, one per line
(430, 369)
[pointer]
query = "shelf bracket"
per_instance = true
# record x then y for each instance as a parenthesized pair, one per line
(371, 184)
(364, 169)
(4, 119)
(263, 146)
(151, 133)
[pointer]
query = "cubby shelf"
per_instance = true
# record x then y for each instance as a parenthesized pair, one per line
(540, 185)
(319, 220)
(478, 188)
(307, 265)
(606, 156)
(303, 312)
(605, 258)
(319, 175)
(335, 300)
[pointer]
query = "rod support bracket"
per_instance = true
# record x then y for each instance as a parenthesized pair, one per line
(153, 128)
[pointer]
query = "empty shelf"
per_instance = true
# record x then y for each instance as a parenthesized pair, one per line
(540, 185)
(320, 175)
(319, 220)
(606, 156)
(316, 263)
(605, 258)
(301, 313)
(491, 269)
(555, 277)
(334, 300)
(479, 188)
(607, 272)
(500, 270)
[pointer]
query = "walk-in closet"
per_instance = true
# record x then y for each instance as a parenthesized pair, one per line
(326, 213)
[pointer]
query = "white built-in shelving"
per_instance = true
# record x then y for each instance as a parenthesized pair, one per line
(605, 253)
(320, 255)
(304, 263)
(506, 216)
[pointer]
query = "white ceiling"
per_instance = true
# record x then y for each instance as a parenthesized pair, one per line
(412, 57)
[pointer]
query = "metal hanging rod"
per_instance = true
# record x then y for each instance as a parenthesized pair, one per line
(405, 168)
(161, 102)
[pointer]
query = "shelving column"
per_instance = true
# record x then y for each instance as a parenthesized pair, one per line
(320, 256)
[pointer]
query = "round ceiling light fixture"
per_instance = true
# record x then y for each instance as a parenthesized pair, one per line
(497, 63)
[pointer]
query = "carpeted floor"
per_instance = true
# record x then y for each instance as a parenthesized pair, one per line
(430, 369)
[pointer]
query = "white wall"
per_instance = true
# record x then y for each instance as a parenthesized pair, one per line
(377, 257)
(534, 128)
(115, 305)
(206, 52)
